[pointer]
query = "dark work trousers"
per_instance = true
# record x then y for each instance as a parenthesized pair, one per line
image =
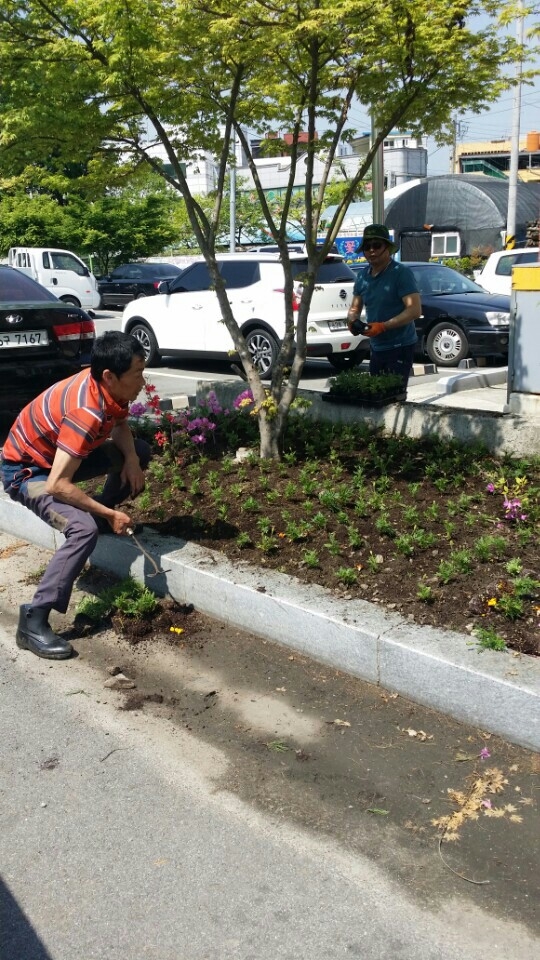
(79, 527)
(397, 360)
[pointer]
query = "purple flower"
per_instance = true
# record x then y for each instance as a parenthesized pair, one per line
(138, 409)
(243, 400)
(484, 753)
(212, 403)
(490, 488)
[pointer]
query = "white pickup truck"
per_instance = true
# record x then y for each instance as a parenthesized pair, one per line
(60, 271)
(496, 274)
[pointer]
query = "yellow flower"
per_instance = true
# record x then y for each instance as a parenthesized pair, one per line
(492, 602)
(176, 629)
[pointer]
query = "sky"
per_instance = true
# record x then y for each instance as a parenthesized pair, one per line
(494, 124)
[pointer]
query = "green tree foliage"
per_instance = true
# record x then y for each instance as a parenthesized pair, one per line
(128, 224)
(250, 224)
(36, 222)
(112, 84)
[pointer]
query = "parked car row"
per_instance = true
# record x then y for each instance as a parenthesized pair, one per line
(459, 319)
(43, 338)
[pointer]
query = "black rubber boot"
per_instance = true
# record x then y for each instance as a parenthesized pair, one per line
(35, 634)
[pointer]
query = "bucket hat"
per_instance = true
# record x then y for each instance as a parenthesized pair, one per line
(377, 231)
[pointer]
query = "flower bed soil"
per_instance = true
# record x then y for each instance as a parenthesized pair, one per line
(353, 539)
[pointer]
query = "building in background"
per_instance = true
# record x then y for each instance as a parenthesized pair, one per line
(405, 157)
(492, 158)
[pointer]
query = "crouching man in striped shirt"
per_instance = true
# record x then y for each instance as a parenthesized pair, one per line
(76, 430)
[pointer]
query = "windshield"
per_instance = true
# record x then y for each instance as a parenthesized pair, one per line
(16, 287)
(437, 280)
(330, 271)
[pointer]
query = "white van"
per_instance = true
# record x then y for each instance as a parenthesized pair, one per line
(60, 271)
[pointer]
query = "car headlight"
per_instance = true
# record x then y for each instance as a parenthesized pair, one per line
(498, 318)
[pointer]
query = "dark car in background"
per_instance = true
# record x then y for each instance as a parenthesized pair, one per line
(133, 280)
(459, 318)
(42, 339)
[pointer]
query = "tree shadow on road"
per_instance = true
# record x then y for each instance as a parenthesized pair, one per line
(18, 938)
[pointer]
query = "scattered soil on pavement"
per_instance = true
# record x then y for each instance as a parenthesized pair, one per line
(447, 810)
(440, 805)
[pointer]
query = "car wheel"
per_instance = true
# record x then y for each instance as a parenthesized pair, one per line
(140, 296)
(345, 361)
(263, 350)
(447, 344)
(72, 301)
(144, 335)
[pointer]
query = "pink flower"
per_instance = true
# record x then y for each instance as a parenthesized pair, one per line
(483, 803)
(161, 439)
(490, 488)
(484, 753)
(244, 399)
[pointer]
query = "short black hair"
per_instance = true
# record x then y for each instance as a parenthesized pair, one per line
(114, 351)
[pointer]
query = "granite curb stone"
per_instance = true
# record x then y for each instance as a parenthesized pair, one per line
(497, 692)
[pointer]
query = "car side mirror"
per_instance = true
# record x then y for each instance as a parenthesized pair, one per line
(170, 286)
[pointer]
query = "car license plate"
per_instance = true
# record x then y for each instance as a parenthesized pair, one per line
(24, 338)
(337, 325)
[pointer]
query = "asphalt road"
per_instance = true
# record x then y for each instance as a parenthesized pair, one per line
(130, 835)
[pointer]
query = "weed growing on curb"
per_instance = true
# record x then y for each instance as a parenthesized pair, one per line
(489, 639)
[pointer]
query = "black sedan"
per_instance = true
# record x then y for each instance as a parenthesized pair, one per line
(42, 339)
(459, 319)
(133, 280)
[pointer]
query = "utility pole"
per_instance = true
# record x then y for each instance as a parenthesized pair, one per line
(459, 131)
(232, 196)
(514, 149)
(377, 177)
(453, 147)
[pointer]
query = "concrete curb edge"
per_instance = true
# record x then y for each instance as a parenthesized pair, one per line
(496, 692)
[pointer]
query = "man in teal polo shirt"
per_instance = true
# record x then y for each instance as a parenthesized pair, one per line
(390, 295)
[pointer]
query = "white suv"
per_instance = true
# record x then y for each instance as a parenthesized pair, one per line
(186, 318)
(496, 274)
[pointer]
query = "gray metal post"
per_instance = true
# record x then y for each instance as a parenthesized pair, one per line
(514, 152)
(232, 197)
(377, 178)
